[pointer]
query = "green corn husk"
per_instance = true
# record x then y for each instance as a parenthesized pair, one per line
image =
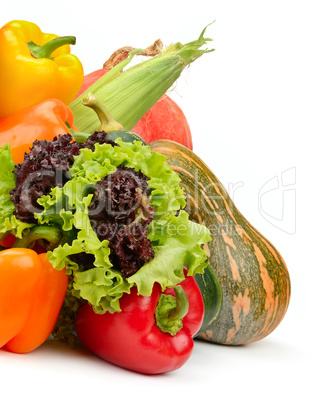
(128, 95)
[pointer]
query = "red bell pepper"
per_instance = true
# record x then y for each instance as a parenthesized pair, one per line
(152, 334)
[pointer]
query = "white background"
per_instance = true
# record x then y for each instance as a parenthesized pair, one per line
(251, 106)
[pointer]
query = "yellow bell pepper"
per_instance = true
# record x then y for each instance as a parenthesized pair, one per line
(35, 66)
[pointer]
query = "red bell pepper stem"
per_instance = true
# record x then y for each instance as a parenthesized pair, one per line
(171, 310)
(45, 51)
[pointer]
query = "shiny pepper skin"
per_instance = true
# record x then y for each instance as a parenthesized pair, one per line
(42, 121)
(31, 296)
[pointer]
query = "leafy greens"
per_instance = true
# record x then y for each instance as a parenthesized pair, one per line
(175, 239)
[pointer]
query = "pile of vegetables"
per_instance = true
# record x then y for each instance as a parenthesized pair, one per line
(103, 238)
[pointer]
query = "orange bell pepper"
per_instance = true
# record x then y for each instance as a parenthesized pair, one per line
(35, 66)
(31, 295)
(42, 121)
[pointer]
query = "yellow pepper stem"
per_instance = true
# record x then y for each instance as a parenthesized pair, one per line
(45, 51)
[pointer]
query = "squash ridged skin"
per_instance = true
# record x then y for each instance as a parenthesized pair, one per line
(252, 274)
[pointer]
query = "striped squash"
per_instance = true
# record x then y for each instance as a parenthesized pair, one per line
(252, 275)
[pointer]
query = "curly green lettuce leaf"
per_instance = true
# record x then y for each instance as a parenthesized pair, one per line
(179, 245)
(7, 183)
(102, 287)
(8, 222)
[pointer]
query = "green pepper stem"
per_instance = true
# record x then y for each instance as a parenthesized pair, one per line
(181, 308)
(49, 236)
(108, 123)
(45, 51)
(78, 136)
(171, 310)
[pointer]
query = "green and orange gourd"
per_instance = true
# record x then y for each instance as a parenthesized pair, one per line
(252, 275)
